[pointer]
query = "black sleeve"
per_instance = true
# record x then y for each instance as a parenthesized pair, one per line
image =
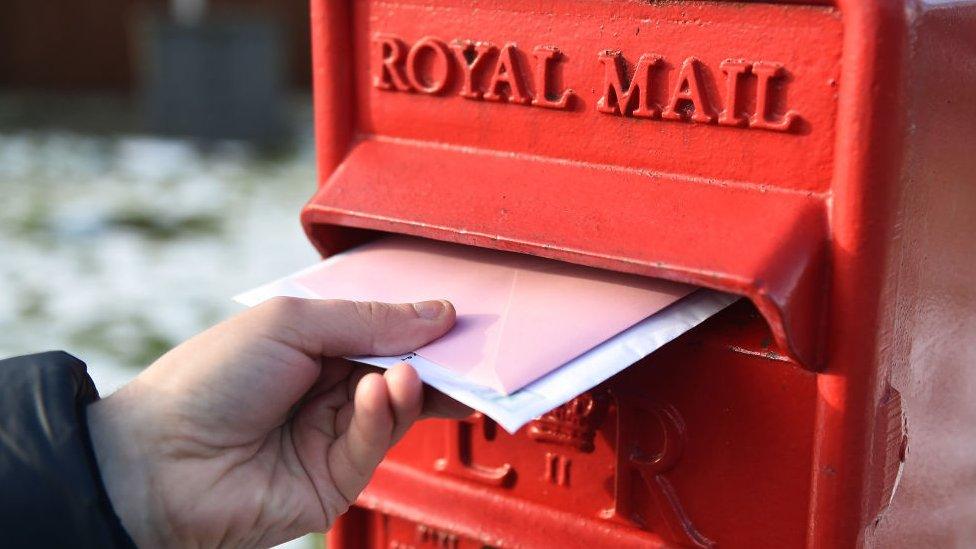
(51, 493)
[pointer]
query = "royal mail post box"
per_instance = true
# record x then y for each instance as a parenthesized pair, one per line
(816, 158)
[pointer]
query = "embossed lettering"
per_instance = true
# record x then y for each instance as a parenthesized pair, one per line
(458, 460)
(430, 536)
(440, 68)
(506, 72)
(478, 51)
(637, 464)
(615, 99)
(734, 70)
(766, 72)
(557, 469)
(480, 70)
(688, 89)
(389, 51)
(544, 57)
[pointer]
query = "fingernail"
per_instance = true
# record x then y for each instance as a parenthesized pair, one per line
(429, 310)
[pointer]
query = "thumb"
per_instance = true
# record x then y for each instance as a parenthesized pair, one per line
(350, 328)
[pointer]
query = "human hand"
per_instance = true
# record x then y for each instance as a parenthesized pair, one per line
(252, 433)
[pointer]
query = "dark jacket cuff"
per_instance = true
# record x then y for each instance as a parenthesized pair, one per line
(52, 489)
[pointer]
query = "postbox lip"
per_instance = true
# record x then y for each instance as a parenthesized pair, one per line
(766, 246)
(775, 311)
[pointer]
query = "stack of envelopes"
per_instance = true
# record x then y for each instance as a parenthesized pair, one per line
(531, 333)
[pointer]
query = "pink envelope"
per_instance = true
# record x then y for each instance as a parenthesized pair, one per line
(519, 316)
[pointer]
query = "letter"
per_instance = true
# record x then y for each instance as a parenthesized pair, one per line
(615, 100)
(765, 72)
(688, 88)
(543, 57)
(733, 69)
(458, 460)
(442, 57)
(556, 469)
(461, 50)
(506, 71)
(389, 51)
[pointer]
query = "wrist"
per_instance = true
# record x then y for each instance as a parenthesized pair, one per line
(122, 453)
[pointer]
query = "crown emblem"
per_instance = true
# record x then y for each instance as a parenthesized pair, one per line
(572, 424)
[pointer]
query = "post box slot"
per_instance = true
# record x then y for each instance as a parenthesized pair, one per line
(765, 244)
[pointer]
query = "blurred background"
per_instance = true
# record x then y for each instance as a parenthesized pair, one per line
(154, 155)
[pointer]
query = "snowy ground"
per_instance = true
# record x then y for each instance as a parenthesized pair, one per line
(115, 247)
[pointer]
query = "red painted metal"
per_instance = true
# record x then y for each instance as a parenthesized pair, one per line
(811, 157)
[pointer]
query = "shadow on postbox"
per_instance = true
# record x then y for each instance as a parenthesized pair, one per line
(677, 140)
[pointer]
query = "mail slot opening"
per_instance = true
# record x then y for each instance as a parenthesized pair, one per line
(753, 335)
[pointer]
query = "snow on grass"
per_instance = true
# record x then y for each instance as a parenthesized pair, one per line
(116, 248)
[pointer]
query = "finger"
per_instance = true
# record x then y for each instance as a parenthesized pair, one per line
(406, 397)
(437, 404)
(344, 417)
(343, 328)
(356, 453)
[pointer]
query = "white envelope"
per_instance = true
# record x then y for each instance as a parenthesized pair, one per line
(578, 375)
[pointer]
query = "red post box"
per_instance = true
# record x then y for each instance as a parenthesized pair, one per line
(816, 158)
